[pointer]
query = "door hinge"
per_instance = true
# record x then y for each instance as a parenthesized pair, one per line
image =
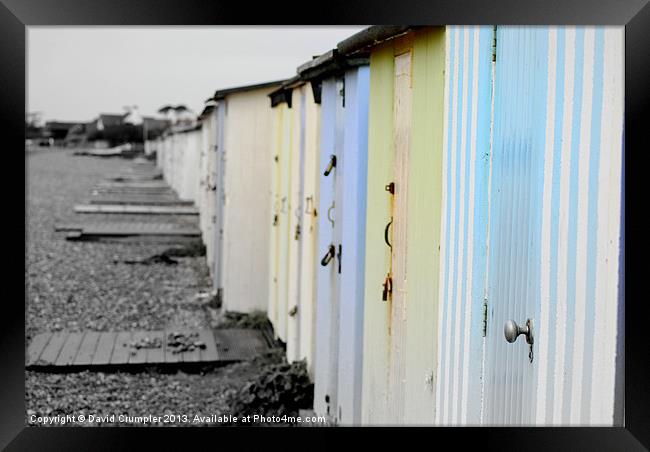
(387, 288)
(485, 316)
(340, 256)
(494, 44)
(342, 92)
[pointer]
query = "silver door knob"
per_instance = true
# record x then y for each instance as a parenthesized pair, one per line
(512, 331)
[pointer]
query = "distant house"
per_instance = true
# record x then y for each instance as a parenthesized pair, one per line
(58, 131)
(155, 126)
(77, 135)
(108, 130)
(103, 122)
(115, 129)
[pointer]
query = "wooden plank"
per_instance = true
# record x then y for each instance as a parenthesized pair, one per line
(165, 196)
(133, 178)
(87, 348)
(171, 357)
(130, 228)
(138, 356)
(140, 200)
(53, 347)
(68, 227)
(94, 348)
(121, 349)
(104, 349)
(69, 350)
(148, 194)
(136, 209)
(107, 230)
(36, 347)
(139, 239)
(194, 355)
(157, 355)
(210, 351)
(133, 189)
(135, 184)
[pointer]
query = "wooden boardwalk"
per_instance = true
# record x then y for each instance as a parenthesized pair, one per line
(162, 190)
(87, 349)
(127, 228)
(136, 209)
(139, 199)
(154, 184)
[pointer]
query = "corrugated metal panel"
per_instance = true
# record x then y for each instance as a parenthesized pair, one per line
(468, 96)
(554, 227)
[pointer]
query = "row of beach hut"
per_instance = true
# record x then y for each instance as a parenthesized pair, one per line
(431, 218)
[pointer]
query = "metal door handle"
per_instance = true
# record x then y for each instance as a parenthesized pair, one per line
(512, 331)
(386, 234)
(329, 214)
(331, 252)
(330, 166)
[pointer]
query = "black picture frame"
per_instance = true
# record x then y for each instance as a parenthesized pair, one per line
(16, 15)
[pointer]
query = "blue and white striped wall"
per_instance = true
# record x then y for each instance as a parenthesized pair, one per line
(531, 224)
(468, 103)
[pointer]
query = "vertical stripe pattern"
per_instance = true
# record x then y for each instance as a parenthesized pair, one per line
(553, 174)
(464, 225)
(580, 227)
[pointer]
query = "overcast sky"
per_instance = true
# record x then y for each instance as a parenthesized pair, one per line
(74, 73)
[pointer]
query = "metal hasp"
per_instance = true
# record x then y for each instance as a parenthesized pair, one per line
(330, 166)
(331, 252)
(387, 288)
(512, 331)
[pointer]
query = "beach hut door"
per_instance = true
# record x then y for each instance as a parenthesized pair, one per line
(220, 200)
(514, 228)
(397, 231)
